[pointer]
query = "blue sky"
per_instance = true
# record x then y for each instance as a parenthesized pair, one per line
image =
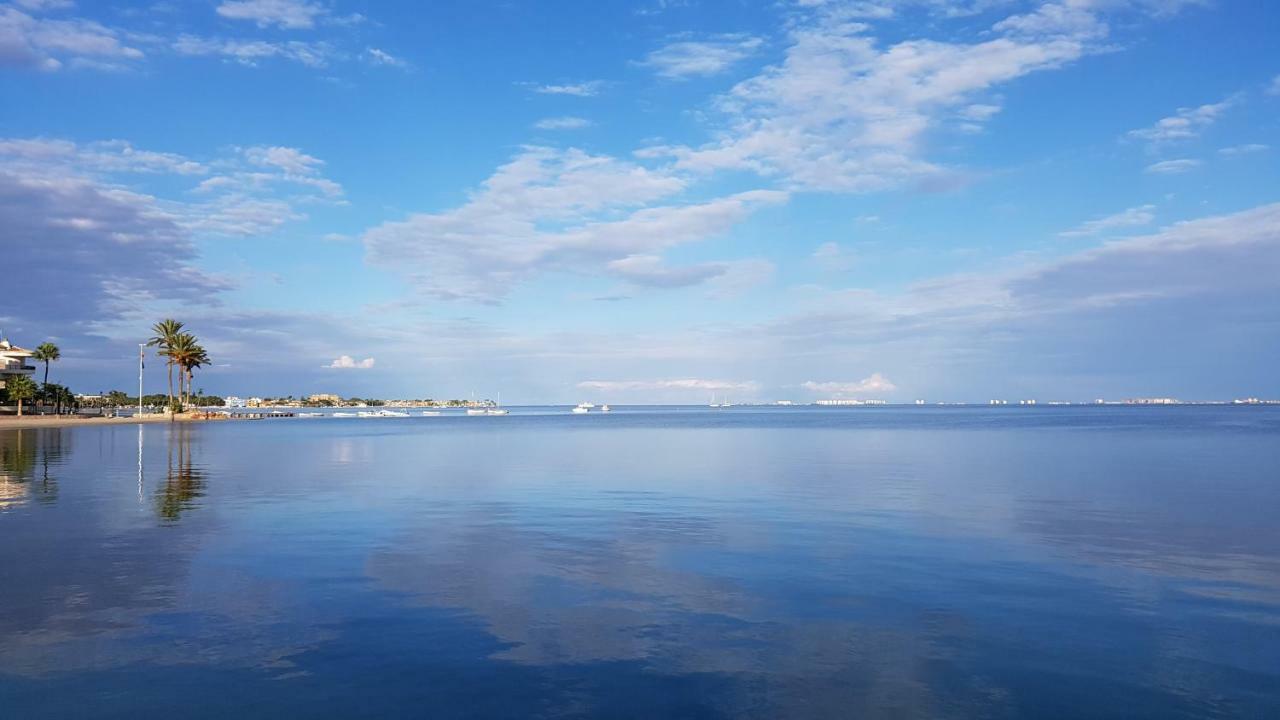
(654, 201)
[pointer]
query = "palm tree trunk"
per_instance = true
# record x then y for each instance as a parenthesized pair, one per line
(19, 407)
(46, 372)
(170, 366)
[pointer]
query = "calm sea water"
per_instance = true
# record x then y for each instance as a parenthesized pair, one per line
(657, 563)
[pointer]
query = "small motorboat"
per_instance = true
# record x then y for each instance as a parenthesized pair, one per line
(345, 414)
(579, 410)
(497, 411)
(477, 411)
(429, 413)
(604, 408)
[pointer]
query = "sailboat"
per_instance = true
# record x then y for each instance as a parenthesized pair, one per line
(713, 402)
(497, 410)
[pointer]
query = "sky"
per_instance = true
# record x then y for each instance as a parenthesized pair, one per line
(657, 201)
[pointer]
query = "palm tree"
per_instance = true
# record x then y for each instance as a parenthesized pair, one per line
(166, 332)
(185, 352)
(198, 357)
(46, 352)
(20, 387)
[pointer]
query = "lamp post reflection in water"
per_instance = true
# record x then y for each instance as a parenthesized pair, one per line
(139, 464)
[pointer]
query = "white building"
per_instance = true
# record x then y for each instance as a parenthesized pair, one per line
(13, 361)
(841, 402)
(232, 401)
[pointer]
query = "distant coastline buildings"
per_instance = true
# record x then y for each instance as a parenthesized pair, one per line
(842, 402)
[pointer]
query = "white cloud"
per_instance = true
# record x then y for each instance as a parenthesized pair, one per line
(52, 44)
(242, 199)
(1248, 149)
(555, 210)
(250, 52)
(589, 88)
(876, 383)
(42, 5)
(832, 256)
(108, 156)
(285, 14)
(1173, 167)
(689, 58)
(651, 270)
(566, 122)
(1185, 124)
(682, 384)
(843, 113)
(382, 57)
(346, 362)
(1133, 217)
(285, 158)
(1274, 87)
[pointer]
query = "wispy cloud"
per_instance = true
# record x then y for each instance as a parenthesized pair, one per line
(251, 193)
(556, 210)
(1248, 149)
(832, 256)
(376, 56)
(566, 122)
(690, 58)
(285, 14)
(251, 52)
(1132, 217)
(876, 383)
(106, 156)
(1185, 124)
(1173, 167)
(52, 44)
(834, 116)
(589, 88)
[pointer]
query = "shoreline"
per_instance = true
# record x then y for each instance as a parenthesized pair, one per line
(47, 421)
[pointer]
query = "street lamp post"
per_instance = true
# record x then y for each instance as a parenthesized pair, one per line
(141, 366)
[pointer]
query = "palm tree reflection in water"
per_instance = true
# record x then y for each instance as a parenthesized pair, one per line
(184, 483)
(20, 451)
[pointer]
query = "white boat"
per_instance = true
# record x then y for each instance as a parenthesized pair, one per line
(604, 408)
(477, 411)
(586, 405)
(345, 414)
(310, 415)
(580, 409)
(429, 413)
(497, 410)
(391, 413)
(713, 402)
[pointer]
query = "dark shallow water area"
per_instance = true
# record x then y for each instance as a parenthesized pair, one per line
(756, 563)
